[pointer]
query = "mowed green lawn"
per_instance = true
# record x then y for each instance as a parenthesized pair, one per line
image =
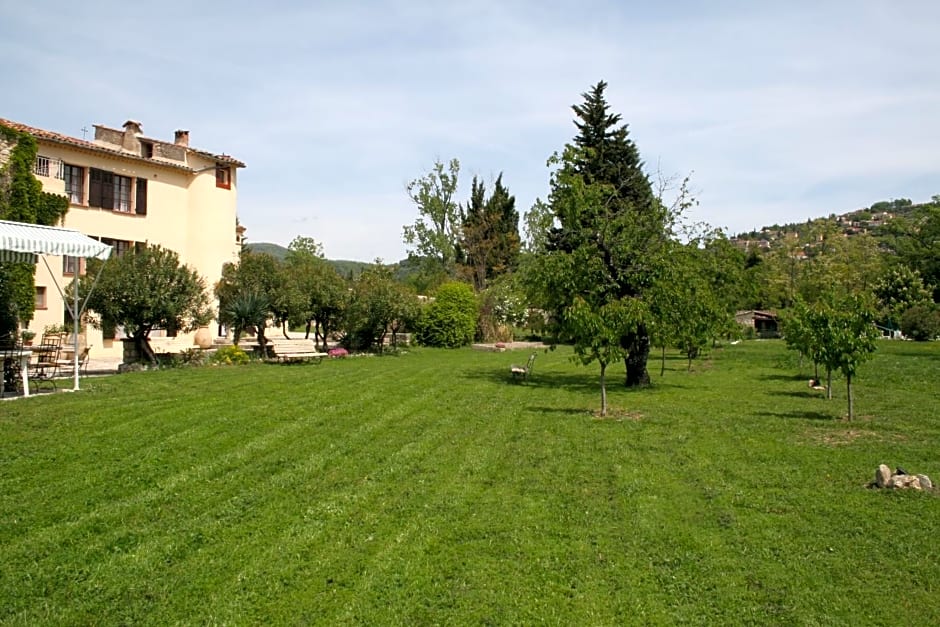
(428, 488)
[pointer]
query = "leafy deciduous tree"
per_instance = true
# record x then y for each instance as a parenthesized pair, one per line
(316, 291)
(916, 242)
(145, 289)
(435, 234)
(376, 301)
(598, 332)
(847, 335)
(899, 289)
(260, 274)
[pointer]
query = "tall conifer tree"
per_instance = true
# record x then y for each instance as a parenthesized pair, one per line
(611, 228)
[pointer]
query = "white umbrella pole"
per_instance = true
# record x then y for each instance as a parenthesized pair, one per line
(75, 317)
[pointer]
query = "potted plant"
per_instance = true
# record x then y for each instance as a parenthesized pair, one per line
(27, 336)
(52, 329)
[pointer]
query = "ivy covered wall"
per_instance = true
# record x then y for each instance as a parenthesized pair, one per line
(22, 200)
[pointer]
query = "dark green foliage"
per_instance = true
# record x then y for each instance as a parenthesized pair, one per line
(612, 231)
(145, 289)
(891, 205)
(245, 310)
(261, 274)
(22, 200)
(921, 322)
(915, 239)
(489, 236)
(899, 289)
(450, 320)
(315, 291)
(376, 304)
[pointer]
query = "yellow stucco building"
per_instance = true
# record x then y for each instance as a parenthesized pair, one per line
(126, 189)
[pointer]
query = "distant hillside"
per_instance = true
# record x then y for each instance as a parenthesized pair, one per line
(864, 220)
(275, 250)
(345, 267)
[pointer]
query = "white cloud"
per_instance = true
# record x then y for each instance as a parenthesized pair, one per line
(782, 110)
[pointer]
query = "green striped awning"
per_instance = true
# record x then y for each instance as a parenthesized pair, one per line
(22, 242)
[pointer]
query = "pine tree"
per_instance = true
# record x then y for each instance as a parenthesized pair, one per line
(610, 223)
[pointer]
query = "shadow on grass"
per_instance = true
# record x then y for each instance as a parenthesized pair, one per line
(584, 381)
(797, 394)
(801, 415)
(782, 377)
(565, 411)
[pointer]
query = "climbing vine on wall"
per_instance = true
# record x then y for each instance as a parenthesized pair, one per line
(22, 200)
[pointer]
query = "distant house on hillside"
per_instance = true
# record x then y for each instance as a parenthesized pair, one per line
(764, 323)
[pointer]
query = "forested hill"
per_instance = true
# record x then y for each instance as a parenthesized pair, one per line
(345, 267)
(866, 219)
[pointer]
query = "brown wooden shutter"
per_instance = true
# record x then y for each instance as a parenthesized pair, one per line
(141, 202)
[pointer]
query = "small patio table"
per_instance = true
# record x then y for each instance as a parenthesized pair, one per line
(24, 356)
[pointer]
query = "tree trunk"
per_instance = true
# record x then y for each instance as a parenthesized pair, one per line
(307, 334)
(662, 367)
(848, 386)
(829, 383)
(638, 352)
(815, 370)
(262, 343)
(603, 389)
(142, 342)
(284, 330)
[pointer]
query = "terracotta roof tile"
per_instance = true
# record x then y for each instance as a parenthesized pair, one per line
(58, 138)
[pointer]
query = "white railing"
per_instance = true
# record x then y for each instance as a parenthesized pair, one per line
(49, 166)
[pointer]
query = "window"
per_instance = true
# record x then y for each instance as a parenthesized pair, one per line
(69, 265)
(122, 194)
(40, 297)
(109, 191)
(74, 177)
(119, 246)
(140, 204)
(146, 150)
(41, 168)
(223, 177)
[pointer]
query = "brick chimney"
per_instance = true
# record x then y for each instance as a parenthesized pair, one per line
(181, 138)
(131, 135)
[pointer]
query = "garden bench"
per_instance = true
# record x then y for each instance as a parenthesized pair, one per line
(293, 350)
(523, 372)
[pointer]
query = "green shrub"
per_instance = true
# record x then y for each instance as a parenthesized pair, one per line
(230, 356)
(194, 357)
(451, 319)
(921, 322)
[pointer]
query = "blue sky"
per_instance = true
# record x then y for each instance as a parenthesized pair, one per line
(783, 111)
